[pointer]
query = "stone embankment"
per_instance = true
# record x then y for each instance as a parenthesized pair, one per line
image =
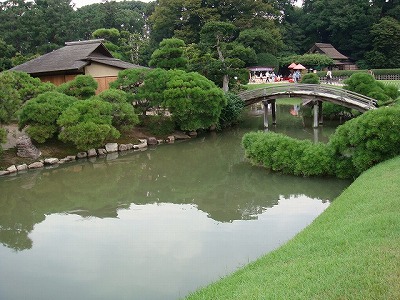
(109, 149)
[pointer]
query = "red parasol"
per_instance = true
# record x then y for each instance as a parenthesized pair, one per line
(292, 65)
(299, 67)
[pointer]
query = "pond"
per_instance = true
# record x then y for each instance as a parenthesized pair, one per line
(155, 224)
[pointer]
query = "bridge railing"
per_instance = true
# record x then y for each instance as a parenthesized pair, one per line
(310, 89)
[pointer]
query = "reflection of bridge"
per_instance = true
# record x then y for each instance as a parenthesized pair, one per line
(311, 94)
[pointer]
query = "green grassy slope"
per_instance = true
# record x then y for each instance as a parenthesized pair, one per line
(351, 251)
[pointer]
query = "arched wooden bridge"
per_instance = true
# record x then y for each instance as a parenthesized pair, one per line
(311, 94)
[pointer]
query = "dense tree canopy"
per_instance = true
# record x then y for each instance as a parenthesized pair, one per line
(15, 89)
(170, 55)
(194, 101)
(315, 60)
(386, 44)
(364, 30)
(37, 27)
(366, 84)
(123, 113)
(81, 87)
(40, 114)
(87, 124)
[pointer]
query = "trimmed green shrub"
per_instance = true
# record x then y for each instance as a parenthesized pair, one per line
(194, 101)
(230, 114)
(365, 84)
(87, 135)
(341, 73)
(87, 124)
(386, 71)
(366, 140)
(81, 87)
(27, 86)
(355, 146)
(169, 55)
(15, 89)
(391, 90)
(131, 81)
(310, 78)
(150, 93)
(40, 114)
(123, 113)
(287, 155)
(348, 73)
(316, 160)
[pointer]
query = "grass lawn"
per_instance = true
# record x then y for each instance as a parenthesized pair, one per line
(351, 251)
(255, 86)
(394, 82)
(287, 101)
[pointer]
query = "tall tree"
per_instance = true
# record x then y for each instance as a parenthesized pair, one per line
(170, 55)
(49, 24)
(215, 35)
(185, 18)
(7, 53)
(345, 24)
(292, 30)
(165, 19)
(386, 44)
(12, 28)
(261, 40)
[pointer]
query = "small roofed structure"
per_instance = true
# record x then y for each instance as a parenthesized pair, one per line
(259, 74)
(89, 57)
(341, 61)
(299, 67)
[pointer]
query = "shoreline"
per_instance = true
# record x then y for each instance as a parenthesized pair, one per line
(351, 251)
(19, 164)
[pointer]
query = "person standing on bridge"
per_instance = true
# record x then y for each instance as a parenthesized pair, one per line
(329, 77)
(296, 76)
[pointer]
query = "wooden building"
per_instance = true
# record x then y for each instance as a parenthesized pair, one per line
(88, 57)
(341, 62)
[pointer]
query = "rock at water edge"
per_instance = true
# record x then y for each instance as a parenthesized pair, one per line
(26, 149)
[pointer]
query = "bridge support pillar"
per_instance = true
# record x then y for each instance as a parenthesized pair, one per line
(316, 135)
(316, 118)
(265, 114)
(321, 118)
(273, 109)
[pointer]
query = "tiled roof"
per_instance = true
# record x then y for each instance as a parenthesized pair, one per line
(72, 57)
(114, 62)
(327, 49)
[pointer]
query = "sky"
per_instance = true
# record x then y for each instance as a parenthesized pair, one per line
(80, 3)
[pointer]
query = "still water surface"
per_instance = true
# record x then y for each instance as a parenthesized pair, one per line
(156, 224)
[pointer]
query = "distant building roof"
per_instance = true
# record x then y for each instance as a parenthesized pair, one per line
(72, 58)
(260, 68)
(328, 50)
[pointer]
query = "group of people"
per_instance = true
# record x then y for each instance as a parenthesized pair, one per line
(269, 77)
(296, 76)
(266, 77)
